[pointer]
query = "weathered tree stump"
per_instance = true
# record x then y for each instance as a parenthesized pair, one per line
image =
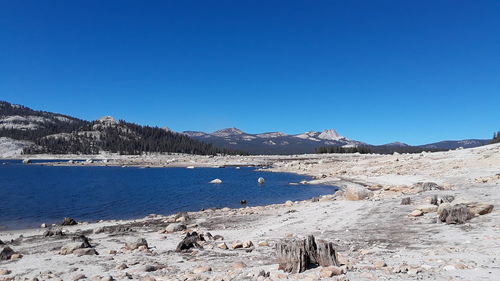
(406, 201)
(295, 256)
(190, 241)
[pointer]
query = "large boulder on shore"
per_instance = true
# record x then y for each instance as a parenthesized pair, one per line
(6, 253)
(454, 214)
(136, 244)
(355, 193)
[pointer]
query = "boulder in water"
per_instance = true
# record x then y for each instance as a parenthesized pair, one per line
(261, 180)
(216, 181)
(26, 161)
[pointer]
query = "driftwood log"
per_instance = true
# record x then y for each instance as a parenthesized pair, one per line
(297, 255)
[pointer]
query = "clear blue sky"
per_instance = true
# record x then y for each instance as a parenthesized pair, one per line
(377, 71)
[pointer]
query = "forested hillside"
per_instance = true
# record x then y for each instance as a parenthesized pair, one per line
(60, 134)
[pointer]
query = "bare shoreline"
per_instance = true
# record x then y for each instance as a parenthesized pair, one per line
(375, 237)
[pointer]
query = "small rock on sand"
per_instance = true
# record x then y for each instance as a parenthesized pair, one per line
(331, 271)
(263, 244)
(238, 265)
(202, 269)
(427, 208)
(222, 246)
(237, 245)
(355, 193)
(174, 227)
(416, 213)
(79, 277)
(136, 244)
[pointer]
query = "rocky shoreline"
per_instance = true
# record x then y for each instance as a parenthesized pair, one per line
(448, 229)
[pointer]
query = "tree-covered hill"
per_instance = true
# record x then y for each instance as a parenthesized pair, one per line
(60, 134)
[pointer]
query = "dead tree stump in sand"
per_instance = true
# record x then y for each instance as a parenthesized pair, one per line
(296, 255)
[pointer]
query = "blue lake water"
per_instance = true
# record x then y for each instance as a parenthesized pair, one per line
(34, 194)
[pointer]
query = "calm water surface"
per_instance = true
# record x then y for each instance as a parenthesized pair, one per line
(33, 194)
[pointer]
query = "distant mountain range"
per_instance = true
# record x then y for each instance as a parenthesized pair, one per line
(33, 131)
(273, 142)
(281, 143)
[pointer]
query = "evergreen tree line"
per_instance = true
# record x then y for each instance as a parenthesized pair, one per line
(496, 137)
(124, 138)
(340, 149)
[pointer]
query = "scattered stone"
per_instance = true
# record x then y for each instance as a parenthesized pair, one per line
(296, 255)
(247, 244)
(107, 278)
(331, 271)
(121, 266)
(355, 193)
(218, 237)
(237, 245)
(136, 244)
(238, 265)
(202, 269)
(480, 208)
(79, 277)
(426, 186)
(16, 256)
(243, 202)
(379, 264)
(26, 161)
(190, 241)
(174, 227)
(70, 247)
(5, 272)
(69, 221)
(289, 203)
(427, 208)
(406, 201)
(147, 278)
(53, 232)
(448, 198)
(149, 268)
(43, 225)
(85, 252)
(265, 274)
(413, 271)
(216, 181)
(263, 244)
(416, 213)
(222, 246)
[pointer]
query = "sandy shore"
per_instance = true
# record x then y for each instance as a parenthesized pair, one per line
(375, 237)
